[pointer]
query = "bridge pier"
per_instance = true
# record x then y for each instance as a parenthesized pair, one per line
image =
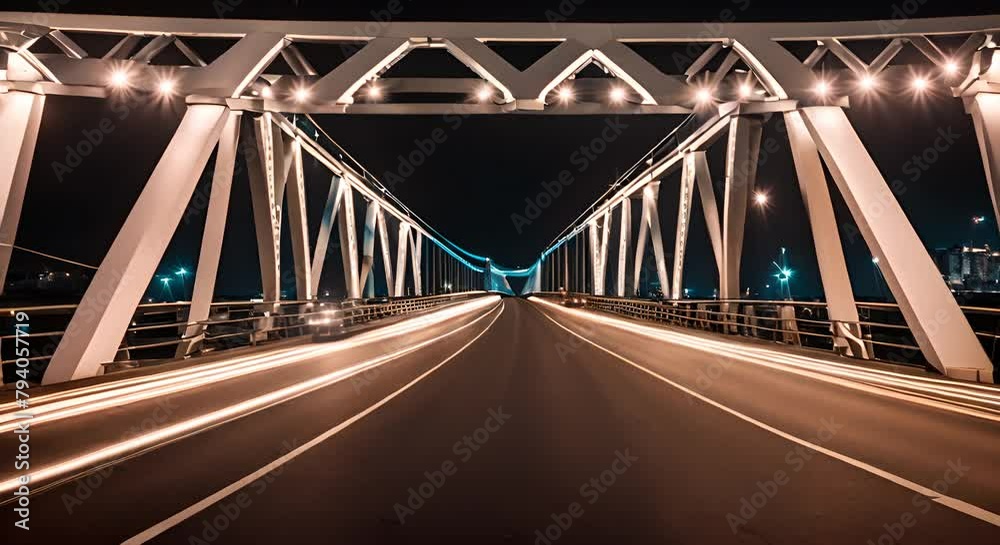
(20, 121)
(938, 324)
(104, 313)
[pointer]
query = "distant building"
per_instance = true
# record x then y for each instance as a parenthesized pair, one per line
(968, 268)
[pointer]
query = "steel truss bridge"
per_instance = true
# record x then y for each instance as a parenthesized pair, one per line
(743, 73)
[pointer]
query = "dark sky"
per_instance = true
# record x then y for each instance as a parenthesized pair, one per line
(469, 187)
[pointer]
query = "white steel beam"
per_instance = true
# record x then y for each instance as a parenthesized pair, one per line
(368, 249)
(709, 206)
(843, 311)
(211, 240)
(383, 237)
(624, 244)
(742, 154)
(599, 251)
(683, 223)
(299, 224)
(347, 225)
(649, 228)
(416, 256)
(20, 120)
(935, 319)
(266, 203)
(340, 85)
(99, 324)
(401, 246)
(333, 203)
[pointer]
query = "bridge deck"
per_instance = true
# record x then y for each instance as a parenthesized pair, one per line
(700, 432)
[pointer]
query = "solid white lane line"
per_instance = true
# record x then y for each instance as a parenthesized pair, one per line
(816, 370)
(214, 418)
(954, 503)
(207, 502)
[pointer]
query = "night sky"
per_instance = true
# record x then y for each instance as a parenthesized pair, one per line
(472, 184)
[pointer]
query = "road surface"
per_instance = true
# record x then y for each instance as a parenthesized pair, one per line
(516, 421)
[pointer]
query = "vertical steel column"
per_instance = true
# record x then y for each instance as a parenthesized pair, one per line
(683, 223)
(938, 324)
(402, 244)
(417, 258)
(299, 224)
(368, 249)
(383, 237)
(985, 111)
(346, 226)
(20, 121)
(99, 324)
(742, 154)
(211, 240)
(624, 242)
(266, 201)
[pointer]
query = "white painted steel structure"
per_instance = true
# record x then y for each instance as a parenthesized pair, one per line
(234, 98)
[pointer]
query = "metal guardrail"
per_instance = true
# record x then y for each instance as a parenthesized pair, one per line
(800, 323)
(158, 329)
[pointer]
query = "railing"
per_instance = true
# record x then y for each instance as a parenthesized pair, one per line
(801, 323)
(158, 329)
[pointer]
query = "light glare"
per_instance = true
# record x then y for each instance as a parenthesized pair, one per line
(119, 78)
(760, 198)
(484, 93)
(565, 93)
(617, 94)
(167, 86)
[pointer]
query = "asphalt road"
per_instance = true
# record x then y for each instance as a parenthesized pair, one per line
(521, 423)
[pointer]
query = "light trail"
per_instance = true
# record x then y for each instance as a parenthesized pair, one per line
(233, 412)
(942, 394)
(961, 506)
(101, 397)
(212, 499)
